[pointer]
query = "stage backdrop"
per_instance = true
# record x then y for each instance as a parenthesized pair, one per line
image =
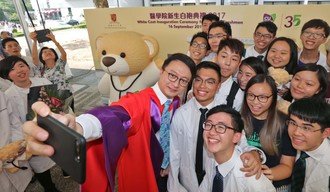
(173, 25)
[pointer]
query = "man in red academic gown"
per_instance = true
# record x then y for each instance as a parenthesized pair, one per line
(130, 133)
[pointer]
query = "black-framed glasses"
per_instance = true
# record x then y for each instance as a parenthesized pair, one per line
(261, 98)
(265, 36)
(210, 82)
(173, 78)
(219, 127)
(314, 35)
(218, 36)
(197, 45)
(304, 128)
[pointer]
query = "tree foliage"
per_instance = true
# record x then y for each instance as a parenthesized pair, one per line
(8, 11)
(101, 3)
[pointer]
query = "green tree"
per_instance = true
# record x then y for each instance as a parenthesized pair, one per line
(2, 15)
(101, 3)
(8, 11)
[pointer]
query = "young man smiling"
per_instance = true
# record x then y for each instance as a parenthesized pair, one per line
(314, 33)
(309, 129)
(263, 35)
(222, 131)
(186, 144)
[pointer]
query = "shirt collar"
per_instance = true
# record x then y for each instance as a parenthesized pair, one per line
(162, 98)
(227, 84)
(257, 54)
(318, 153)
(209, 106)
(21, 90)
(227, 166)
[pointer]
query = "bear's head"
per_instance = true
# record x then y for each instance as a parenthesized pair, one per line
(125, 53)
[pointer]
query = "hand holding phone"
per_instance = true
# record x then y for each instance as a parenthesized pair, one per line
(69, 146)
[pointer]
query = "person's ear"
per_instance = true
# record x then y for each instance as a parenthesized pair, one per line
(326, 133)
(237, 137)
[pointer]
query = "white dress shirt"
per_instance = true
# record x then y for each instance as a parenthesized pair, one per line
(221, 96)
(233, 178)
(318, 168)
(92, 128)
(251, 52)
(183, 142)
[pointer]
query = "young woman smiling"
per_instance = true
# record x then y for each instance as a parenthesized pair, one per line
(264, 129)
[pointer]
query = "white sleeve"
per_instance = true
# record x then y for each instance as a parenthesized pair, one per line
(246, 147)
(92, 128)
(173, 183)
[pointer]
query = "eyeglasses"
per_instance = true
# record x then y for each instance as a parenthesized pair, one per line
(314, 35)
(219, 127)
(196, 45)
(265, 36)
(174, 78)
(304, 128)
(208, 82)
(218, 36)
(261, 98)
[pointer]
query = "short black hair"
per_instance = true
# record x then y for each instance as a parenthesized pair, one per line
(202, 35)
(256, 64)
(40, 54)
(210, 17)
(322, 76)
(312, 110)
(7, 64)
(222, 24)
(269, 25)
(236, 119)
(209, 65)
(233, 44)
(318, 24)
(293, 62)
(5, 41)
(184, 59)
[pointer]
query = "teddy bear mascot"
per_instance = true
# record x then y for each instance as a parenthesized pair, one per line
(128, 58)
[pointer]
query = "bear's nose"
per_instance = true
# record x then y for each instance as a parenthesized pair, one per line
(108, 61)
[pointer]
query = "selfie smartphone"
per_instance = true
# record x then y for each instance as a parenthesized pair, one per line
(41, 35)
(69, 146)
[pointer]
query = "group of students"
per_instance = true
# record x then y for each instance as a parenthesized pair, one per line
(18, 74)
(229, 136)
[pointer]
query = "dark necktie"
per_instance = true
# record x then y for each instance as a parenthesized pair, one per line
(217, 181)
(164, 133)
(260, 57)
(298, 173)
(199, 148)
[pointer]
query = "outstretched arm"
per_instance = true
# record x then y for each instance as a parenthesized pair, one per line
(35, 58)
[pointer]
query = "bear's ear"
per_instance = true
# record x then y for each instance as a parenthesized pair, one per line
(152, 45)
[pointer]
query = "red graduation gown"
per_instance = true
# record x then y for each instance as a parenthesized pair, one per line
(135, 167)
